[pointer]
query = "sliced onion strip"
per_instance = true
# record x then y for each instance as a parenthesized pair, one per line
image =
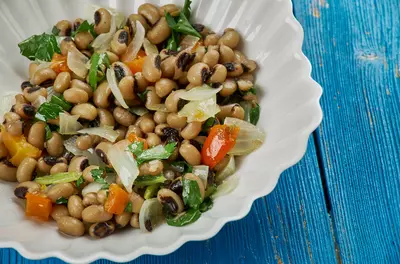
(104, 132)
(135, 44)
(112, 83)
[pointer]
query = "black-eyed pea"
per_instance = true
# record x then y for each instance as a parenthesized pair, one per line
(25, 84)
(232, 110)
(120, 70)
(171, 202)
(168, 67)
(76, 96)
(234, 69)
(134, 129)
(164, 86)
(84, 142)
(7, 171)
(75, 206)
(244, 85)
(102, 229)
(123, 219)
(211, 39)
(171, 102)
(78, 164)
(105, 117)
(248, 77)
(172, 9)
(101, 95)
(26, 187)
(64, 27)
(119, 42)
(154, 167)
(83, 39)
(149, 12)
(190, 154)
(32, 69)
(230, 38)
(200, 139)
(123, 116)
(152, 68)
(87, 173)
(102, 21)
(59, 168)
(229, 87)
(160, 32)
(159, 129)
(127, 87)
(95, 214)
(75, 83)
(121, 132)
(15, 128)
(101, 196)
(192, 177)
(43, 167)
(86, 111)
(131, 22)
(160, 117)
(176, 121)
(219, 73)
(58, 211)
(101, 151)
(77, 23)
(226, 54)
(26, 169)
(147, 125)
(62, 82)
(134, 222)
(43, 75)
(66, 45)
(183, 80)
(140, 82)
(37, 134)
(249, 66)
(191, 131)
(176, 186)
(151, 97)
(137, 202)
(60, 190)
(90, 199)
(20, 99)
(198, 73)
(11, 116)
(70, 226)
(31, 94)
(153, 140)
(26, 111)
(55, 145)
(211, 58)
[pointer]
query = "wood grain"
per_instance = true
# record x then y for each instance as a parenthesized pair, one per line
(354, 48)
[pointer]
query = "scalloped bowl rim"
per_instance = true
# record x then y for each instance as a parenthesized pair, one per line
(219, 223)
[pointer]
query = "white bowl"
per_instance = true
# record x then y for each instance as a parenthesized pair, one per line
(290, 112)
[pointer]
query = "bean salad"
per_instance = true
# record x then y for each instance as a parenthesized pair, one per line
(128, 121)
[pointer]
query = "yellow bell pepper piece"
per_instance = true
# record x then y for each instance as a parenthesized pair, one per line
(19, 148)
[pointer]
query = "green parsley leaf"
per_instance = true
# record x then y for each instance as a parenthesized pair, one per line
(182, 25)
(98, 64)
(61, 200)
(156, 153)
(191, 216)
(212, 121)
(191, 193)
(55, 31)
(136, 148)
(97, 175)
(186, 10)
(48, 132)
(206, 205)
(142, 181)
(85, 27)
(79, 182)
(255, 114)
(48, 111)
(59, 100)
(128, 207)
(151, 191)
(181, 166)
(39, 47)
(142, 96)
(211, 189)
(173, 41)
(253, 91)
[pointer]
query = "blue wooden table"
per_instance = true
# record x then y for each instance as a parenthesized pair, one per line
(341, 203)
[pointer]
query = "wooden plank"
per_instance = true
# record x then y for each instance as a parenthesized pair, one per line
(291, 225)
(355, 48)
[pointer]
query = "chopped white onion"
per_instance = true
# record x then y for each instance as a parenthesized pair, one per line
(226, 187)
(158, 107)
(151, 210)
(199, 93)
(70, 145)
(135, 44)
(69, 124)
(188, 42)
(138, 110)
(112, 83)
(76, 62)
(149, 47)
(200, 110)
(105, 132)
(51, 93)
(124, 164)
(249, 138)
(91, 9)
(6, 102)
(201, 171)
(92, 187)
(41, 65)
(229, 169)
(102, 41)
(39, 101)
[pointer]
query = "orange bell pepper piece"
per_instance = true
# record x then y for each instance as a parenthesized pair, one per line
(19, 148)
(117, 200)
(38, 206)
(59, 63)
(132, 137)
(137, 64)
